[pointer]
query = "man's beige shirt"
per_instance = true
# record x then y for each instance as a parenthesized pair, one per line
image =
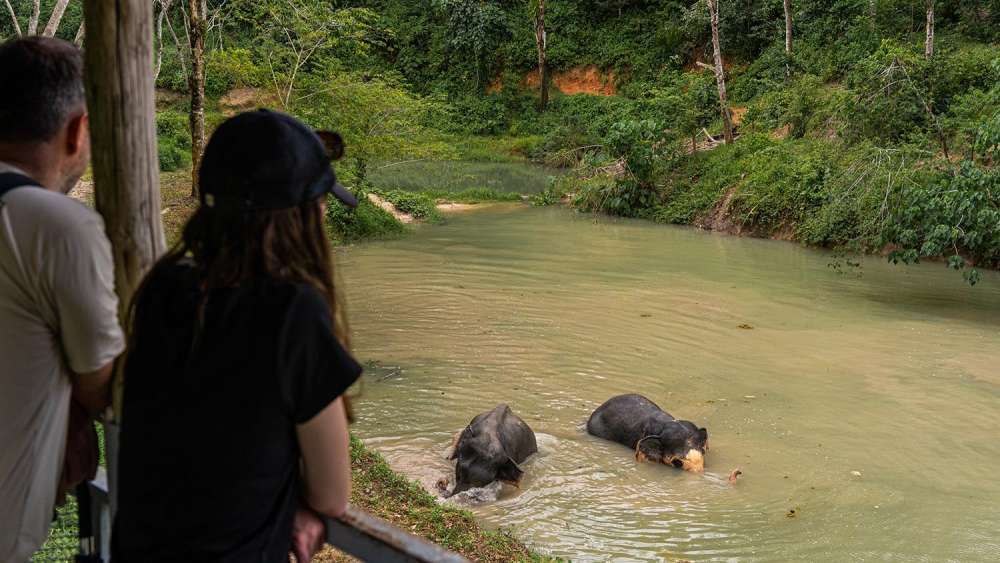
(58, 317)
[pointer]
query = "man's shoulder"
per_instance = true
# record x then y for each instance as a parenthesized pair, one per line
(53, 212)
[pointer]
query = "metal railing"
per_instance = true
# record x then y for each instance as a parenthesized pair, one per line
(357, 533)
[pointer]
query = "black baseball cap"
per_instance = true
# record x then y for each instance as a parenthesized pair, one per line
(265, 159)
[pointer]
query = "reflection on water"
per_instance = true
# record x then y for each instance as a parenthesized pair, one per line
(892, 375)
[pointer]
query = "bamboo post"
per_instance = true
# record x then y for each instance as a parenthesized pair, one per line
(118, 61)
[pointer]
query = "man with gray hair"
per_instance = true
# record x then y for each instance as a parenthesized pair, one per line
(59, 333)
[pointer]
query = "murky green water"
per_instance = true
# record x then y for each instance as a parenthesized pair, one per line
(895, 375)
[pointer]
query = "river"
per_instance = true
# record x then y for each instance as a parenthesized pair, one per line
(866, 402)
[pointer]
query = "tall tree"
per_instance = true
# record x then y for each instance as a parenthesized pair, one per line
(541, 40)
(788, 37)
(55, 18)
(720, 76)
(51, 27)
(198, 14)
(36, 12)
(929, 44)
(13, 18)
(161, 14)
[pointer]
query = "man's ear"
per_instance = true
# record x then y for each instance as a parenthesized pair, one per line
(77, 133)
(510, 472)
(333, 143)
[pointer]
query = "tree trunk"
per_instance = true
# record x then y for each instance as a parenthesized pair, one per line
(55, 18)
(720, 76)
(541, 41)
(36, 11)
(164, 5)
(929, 45)
(788, 37)
(13, 18)
(122, 106)
(80, 32)
(197, 86)
(170, 26)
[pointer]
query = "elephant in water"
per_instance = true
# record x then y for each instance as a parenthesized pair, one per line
(635, 421)
(491, 448)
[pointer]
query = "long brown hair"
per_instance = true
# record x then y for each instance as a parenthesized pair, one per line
(230, 246)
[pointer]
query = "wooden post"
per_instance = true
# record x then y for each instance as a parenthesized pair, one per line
(720, 76)
(119, 74)
(118, 61)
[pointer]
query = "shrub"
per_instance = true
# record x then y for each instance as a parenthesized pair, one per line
(555, 190)
(606, 194)
(957, 216)
(173, 140)
(416, 204)
(226, 69)
(366, 221)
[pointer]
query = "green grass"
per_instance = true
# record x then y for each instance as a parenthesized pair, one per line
(496, 149)
(384, 493)
(459, 176)
(416, 204)
(472, 195)
(365, 222)
(63, 543)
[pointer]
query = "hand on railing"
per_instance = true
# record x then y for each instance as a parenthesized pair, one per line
(308, 534)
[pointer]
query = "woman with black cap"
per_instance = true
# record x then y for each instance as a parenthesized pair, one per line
(233, 430)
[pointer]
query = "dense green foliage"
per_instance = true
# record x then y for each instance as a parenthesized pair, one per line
(856, 140)
(366, 222)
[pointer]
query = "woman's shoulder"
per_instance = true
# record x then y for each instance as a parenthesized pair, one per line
(169, 277)
(295, 298)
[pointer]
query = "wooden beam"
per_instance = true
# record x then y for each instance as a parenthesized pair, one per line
(118, 58)
(369, 538)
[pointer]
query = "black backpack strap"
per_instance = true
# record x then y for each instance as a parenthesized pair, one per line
(11, 180)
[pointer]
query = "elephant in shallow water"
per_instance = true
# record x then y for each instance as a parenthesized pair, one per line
(635, 421)
(491, 448)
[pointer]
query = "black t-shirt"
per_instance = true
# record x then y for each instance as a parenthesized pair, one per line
(209, 462)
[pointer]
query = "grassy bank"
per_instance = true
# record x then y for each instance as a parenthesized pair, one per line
(386, 494)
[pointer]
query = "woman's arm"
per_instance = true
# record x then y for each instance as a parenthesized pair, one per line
(326, 460)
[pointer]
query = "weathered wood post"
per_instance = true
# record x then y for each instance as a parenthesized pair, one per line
(118, 60)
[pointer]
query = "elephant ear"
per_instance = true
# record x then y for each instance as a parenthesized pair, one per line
(510, 472)
(333, 144)
(702, 436)
(649, 447)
